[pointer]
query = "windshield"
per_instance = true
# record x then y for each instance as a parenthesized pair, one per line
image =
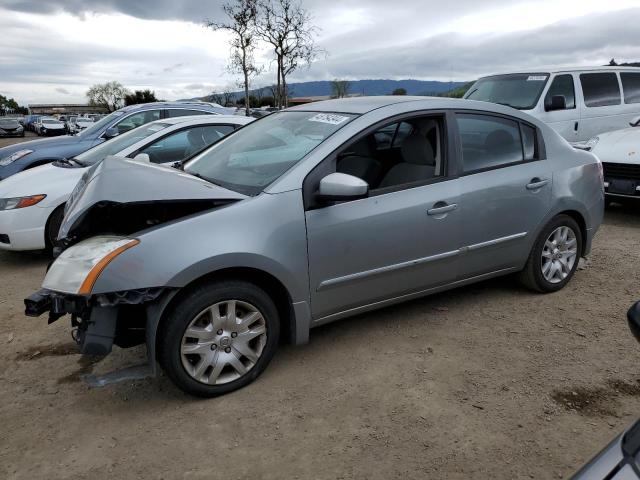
(50, 121)
(261, 152)
(96, 127)
(520, 91)
(7, 121)
(119, 143)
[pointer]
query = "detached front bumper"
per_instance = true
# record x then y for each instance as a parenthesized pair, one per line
(98, 321)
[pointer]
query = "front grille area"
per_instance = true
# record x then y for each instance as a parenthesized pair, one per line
(4, 238)
(622, 171)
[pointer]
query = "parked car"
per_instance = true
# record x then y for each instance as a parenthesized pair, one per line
(49, 126)
(301, 218)
(77, 124)
(49, 186)
(16, 158)
(620, 460)
(30, 121)
(577, 103)
(619, 152)
(10, 127)
(69, 123)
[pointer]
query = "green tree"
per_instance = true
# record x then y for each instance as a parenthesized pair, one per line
(340, 88)
(10, 105)
(399, 91)
(140, 96)
(109, 95)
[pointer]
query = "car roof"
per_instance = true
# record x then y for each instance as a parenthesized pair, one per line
(552, 70)
(203, 105)
(235, 119)
(362, 105)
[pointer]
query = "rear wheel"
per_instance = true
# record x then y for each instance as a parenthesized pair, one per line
(554, 257)
(219, 338)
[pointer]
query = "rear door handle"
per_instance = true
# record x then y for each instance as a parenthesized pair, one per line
(537, 184)
(441, 209)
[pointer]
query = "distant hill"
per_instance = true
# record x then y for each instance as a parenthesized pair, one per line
(367, 87)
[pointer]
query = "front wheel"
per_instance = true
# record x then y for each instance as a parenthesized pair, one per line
(219, 338)
(554, 257)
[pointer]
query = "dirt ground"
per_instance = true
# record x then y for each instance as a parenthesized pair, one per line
(487, 381)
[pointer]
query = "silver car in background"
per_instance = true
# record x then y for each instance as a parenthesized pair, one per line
(311, 215)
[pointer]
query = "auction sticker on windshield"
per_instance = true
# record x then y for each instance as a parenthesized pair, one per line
(329, 118)
(536, 78)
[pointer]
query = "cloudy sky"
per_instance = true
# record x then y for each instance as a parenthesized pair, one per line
(53, 50)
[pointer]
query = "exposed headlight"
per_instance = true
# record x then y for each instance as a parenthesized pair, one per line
(19, 128)
(76, 270)
(20, 202)
(591, 143)
(13, 157)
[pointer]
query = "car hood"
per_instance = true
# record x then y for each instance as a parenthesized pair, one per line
(123, 196)
(40, 144)
(620, 146)
(46, 179)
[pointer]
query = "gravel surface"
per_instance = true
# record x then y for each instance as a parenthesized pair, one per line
(486, 381)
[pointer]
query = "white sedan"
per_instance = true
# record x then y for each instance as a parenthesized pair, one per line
(619, 152)
(32, 202)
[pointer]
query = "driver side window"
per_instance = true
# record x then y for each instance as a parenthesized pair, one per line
(562, 85)
(402, 153)
(137, 119)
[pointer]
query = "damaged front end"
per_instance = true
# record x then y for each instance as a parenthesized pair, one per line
(115, 203)
(100, 321)
(120, 196)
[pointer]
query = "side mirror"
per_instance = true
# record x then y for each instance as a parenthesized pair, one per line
(142, 157)
(635, 122)
(111, 132)
(337, 187)
(558, 102)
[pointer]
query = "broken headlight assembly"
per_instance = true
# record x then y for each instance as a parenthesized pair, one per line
(76, 270)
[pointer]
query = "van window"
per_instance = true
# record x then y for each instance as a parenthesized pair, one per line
(631, 87)
(562, 85)
(600, 89)
(490, 142)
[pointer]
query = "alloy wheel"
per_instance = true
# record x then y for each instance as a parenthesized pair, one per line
(559, 254)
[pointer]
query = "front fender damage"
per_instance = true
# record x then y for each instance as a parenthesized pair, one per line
(125, 319)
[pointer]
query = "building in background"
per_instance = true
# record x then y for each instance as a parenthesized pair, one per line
(64, 109)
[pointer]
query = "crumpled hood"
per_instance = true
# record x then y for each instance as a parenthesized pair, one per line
(121, 181)
(620, 146)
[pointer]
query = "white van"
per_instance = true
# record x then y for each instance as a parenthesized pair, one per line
(578, 103)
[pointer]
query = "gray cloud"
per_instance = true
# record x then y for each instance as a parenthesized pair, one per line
(63, 91)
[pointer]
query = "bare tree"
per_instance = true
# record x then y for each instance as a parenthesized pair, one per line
(340, 88)
(286, 26)
(242, 25)
(109, 95)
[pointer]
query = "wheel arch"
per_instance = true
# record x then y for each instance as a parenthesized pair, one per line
(276, 289)
(580, 220)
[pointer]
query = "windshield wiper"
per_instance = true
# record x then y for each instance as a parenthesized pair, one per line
(70, 161)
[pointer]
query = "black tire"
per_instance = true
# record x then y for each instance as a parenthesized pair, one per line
(52, 228)
(532, 276)
(187, 308)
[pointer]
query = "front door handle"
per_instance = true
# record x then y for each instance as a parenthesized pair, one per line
(441, 209)
(537, 184)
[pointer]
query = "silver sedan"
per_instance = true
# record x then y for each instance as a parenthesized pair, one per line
(311, 215)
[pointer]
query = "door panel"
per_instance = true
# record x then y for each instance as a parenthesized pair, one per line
(383, 246)
(500, 210)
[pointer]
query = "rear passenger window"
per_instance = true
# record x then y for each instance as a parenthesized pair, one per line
(489, 142)
(631, 87)
(529, 143)
(562, 85)
(600, 89)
